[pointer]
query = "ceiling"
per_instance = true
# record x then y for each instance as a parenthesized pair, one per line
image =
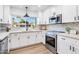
(35, 8)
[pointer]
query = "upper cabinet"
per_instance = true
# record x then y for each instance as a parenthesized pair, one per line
(47, 14)
(1, 13)
(69, 13)
(5, 14)
(77, 12)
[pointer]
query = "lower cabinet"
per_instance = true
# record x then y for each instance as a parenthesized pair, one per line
(66, 45)
(14, 41)
(17, 40)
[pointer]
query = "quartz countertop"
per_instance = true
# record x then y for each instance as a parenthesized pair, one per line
(25, 31)
(5, 34)
(74, 36)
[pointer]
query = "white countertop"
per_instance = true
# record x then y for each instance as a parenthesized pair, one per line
(74, 36)
(20, 31)
(3, 35)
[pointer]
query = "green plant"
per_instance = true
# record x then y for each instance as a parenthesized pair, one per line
(67, 29)
(22, 21)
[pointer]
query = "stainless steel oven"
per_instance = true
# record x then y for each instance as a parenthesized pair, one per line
(51, 43)
(51, 40)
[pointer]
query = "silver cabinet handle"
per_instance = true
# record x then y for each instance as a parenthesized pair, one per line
(28, 37)
(74, 18)
(70, 47)
(9, 40)
(73, 49)
(36, 36)
(18, 38)
(78, 17)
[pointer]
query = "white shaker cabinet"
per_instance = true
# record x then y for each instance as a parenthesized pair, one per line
(24, 38)
(7, 15)
(77, 11)
(76, 46)
(63, 47)
(68, 13)
(40, 37)
(14, 41)
(1, 13)
(17, 40)
(32, 38)
(67, 45)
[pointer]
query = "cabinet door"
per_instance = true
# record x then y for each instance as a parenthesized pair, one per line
(63, 47)
(7, 14)
(68, 13)
(76, 50)
(14, 41)
(77, 7)
(1, 12)
(24, 39)
(32, 38)
(76, 46)
(40, 37)
(43, 36)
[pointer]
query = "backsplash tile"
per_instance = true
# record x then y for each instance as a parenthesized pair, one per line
(74, 26)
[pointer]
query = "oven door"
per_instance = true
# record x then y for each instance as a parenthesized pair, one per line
(51, 43)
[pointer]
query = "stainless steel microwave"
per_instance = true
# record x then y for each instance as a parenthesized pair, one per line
(56, 20)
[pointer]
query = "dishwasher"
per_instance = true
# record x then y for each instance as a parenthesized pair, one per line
(4, 46)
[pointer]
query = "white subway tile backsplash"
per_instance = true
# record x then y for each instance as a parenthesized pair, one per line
(63, 26)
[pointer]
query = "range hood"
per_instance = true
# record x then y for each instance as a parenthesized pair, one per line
(26, 15)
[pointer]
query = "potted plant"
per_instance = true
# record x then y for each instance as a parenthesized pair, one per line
(68, 30)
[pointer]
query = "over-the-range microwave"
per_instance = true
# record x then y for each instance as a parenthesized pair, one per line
(56, 20)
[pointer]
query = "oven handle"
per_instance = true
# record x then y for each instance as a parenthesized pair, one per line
(63, 38)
